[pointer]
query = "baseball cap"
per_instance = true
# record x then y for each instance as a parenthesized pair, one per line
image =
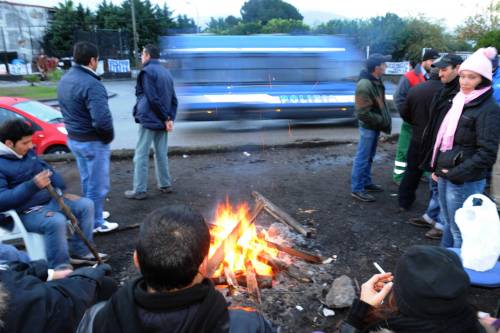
(377, 59)
(430, 54)
(448, 60)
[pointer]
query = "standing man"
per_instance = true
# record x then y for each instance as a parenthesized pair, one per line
(373, 116)
(155, 112)
(495, 177)
(418, 75)
(448, 73)
(84, 105)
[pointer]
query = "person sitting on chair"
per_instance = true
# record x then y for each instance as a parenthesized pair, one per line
(23, 181)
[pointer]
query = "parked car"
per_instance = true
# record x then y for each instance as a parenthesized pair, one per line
(50, 135)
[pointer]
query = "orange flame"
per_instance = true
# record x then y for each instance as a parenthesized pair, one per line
(246, 248)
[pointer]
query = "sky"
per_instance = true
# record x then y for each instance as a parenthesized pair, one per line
(450, 13)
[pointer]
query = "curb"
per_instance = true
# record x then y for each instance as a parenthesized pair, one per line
(124, 154)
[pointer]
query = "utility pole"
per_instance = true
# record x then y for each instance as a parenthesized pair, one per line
(134, 32)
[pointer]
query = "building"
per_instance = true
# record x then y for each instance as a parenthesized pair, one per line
(22, 28)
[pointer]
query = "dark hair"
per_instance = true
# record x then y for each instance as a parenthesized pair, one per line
(152, 50)
(14, 130)
(83, 52)
(484, 83)
(173, 242)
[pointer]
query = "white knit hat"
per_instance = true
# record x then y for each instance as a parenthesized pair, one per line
(480, 62)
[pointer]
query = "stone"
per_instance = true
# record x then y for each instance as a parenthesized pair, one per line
(341, 294)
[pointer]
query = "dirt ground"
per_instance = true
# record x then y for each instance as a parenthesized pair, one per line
(313, 185)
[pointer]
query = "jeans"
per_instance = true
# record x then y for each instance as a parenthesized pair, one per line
(9, 253)
(159, 139)
(92, 158)
(361, 168)
(433, 209)
(51, 222)
(451, 198)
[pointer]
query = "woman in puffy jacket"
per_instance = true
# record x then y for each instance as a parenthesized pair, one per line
(467, 142)
(428, 294)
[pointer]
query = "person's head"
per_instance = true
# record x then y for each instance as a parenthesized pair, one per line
(430, 283)
(149, 52)
(173, 244)
(448, 67)
(476, 71)
(16, 134)
(428, 58)
(86, 54)
(376, 64)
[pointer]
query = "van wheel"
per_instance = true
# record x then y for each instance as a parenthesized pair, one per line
(59, 149)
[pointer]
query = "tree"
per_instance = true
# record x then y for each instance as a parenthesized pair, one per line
(109, 16)
(285, 26)
(186, 24)
(476, 26)
(491, 38)
(265, 10)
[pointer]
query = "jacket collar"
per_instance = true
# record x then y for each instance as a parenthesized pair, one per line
(86, 70)
(151, 61)
(8, 152)
(365, 75)
(480, 99)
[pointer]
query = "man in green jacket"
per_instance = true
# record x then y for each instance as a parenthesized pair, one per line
(373, 116)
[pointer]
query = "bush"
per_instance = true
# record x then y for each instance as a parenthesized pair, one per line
(32, 78)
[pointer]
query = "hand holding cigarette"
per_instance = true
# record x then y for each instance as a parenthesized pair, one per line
(376, 289)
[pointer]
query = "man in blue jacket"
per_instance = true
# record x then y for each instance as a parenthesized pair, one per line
(23, 179)
(155, 112)
(84, 106)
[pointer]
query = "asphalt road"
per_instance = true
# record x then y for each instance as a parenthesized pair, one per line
(204, 134)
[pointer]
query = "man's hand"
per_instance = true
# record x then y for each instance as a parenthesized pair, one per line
(434, 177)
(169, 125)
(61, 274)
(42, 180)
(376, 289)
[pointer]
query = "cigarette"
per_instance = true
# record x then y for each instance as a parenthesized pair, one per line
(377, 266)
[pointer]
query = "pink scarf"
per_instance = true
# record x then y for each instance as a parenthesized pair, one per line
(446, 134)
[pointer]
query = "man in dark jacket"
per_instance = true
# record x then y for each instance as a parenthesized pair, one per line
(84, 106)
(418, 75)
(31, 301)
(373, 116)
(415, 112)
(172, 291)
(448, 66)
(155, 112)
(23, 179)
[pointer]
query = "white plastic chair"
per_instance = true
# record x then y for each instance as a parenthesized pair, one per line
(35, 245)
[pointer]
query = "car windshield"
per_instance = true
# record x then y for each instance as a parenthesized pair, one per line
(40, 111)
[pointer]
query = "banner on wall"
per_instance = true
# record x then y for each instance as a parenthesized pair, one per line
(118, 66)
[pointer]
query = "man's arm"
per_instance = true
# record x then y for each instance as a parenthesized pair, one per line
(363, 106)
(151, 90)
(401, 92)
(97, 104)
(406, 111)
(13, 198)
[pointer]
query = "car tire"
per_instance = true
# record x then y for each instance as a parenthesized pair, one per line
(59, 149)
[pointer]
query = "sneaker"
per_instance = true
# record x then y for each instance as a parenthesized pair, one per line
(135, 195)
(434, 233)
(87, 259)
(105, 215)
(420, 222)
(63, 267)
(106, 227)
(374, 188)
(166, 189)
(362, 196)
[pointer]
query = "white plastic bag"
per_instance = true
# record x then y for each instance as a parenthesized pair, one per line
(480, 229)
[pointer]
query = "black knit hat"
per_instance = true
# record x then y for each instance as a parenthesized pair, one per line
(430, 282)
(430, 54)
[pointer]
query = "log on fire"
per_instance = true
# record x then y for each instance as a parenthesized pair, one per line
(263, 281)
(218, 257)
(280, 215)
(252, 285)
(309, 257)
(281, 266)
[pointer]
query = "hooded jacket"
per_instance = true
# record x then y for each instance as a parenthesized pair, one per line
(405, 84)
(84, 106)
(370, 105)
(17, 189)
(156, 99)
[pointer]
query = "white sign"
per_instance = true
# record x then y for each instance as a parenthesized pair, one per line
(19, 69)
(118, 66)
(397, 68)
(100, 68)
(3, 69)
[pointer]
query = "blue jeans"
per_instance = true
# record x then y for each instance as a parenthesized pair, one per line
(361, 168)
(433, 210)
(159, 139)
(92, 158)
(10, 253)
(51, 222)
(451, 198)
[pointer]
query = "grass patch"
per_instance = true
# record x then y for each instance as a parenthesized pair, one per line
(36, 92)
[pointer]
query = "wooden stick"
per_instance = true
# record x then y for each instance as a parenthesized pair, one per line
(238, 230)
(281, 266)
(252, 285)
(309, 257)
(280, 215)
(69, 214)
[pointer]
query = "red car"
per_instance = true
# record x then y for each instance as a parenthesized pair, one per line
(50, 135)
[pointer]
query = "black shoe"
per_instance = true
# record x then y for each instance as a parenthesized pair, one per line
(420, 222)
(166, 189)
(363, 196)
(374, 188)
(434, 233)
(130, 194)
(87, 259)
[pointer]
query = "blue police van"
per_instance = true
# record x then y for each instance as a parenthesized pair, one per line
(263, 76)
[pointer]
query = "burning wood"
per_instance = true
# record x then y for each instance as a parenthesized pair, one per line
(281, 266)
(280, 214)
(252, 285)
(309, 257)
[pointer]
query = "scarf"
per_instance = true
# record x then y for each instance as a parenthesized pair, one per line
(446, 133)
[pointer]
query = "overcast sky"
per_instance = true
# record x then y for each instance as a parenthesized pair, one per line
(449, 12)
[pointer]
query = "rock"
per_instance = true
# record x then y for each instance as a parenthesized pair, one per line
(341, 293)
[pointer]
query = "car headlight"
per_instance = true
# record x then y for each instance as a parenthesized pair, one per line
(63, 130)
